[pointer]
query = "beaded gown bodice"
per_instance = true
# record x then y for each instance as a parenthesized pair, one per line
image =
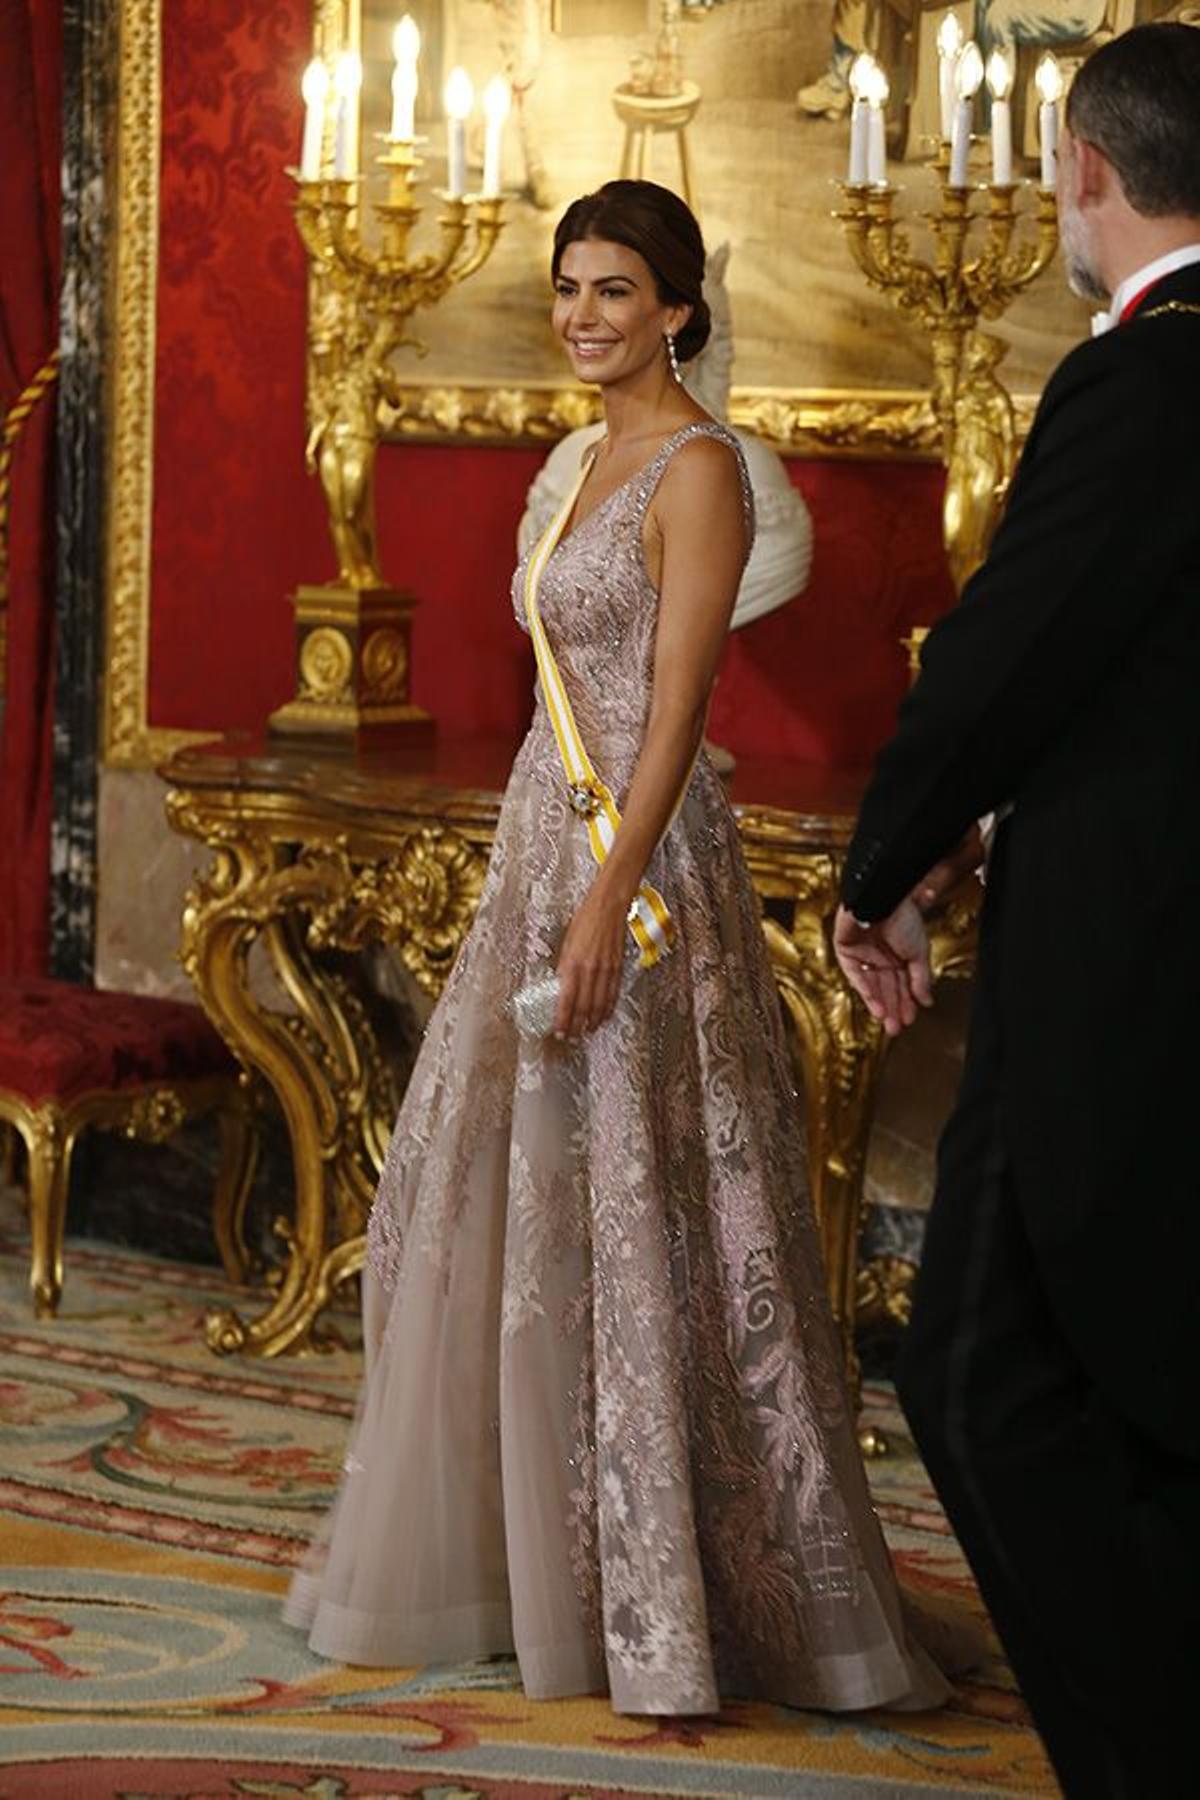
(597, 1334)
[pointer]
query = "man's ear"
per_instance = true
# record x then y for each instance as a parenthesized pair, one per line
(1093, 176)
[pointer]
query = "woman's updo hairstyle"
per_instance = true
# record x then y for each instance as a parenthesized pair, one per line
(662, 229)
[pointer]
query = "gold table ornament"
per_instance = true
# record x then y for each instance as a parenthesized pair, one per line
(353, 635)
(313, 856)
(971, 275)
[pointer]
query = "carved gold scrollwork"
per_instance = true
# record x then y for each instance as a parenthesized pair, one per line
(884, 1291)
(321, 1057)
(841, 1052)
(422, 900)
(156, 1116)
(952, 931)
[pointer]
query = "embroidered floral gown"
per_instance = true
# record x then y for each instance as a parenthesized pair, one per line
(604, 1422)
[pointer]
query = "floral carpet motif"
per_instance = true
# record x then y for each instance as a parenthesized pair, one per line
(152, 1501)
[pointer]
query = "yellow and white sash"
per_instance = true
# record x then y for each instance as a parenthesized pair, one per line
(651, 925)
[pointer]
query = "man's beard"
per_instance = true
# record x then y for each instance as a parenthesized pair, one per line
(1082, 276)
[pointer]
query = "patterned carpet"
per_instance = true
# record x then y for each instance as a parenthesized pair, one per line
(152, 1501)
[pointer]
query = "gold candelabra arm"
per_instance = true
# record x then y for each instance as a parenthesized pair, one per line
(316, 203)
(882, 252)
(950, 224)
(355, 260)
(489, 222)
(998, 233)
(453, 221)
(1001, 272)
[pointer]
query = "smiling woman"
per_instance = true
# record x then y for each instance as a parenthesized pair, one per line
(594, 1243)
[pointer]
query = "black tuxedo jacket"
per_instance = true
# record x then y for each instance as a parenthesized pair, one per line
(1068, 683)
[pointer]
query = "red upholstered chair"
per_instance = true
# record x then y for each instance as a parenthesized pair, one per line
(75, 1056)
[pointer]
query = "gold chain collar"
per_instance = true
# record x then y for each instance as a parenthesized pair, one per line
(1167, 306)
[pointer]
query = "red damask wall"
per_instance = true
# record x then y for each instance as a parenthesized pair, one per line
(237, 524)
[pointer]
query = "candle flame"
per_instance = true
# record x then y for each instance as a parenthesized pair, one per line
(460, 95)
(949, 37)
(878, 90)
(347, 78)
(315, 85)
(968, 71)
(860, 75)
(406, 40)
(999, 74)
(1048, 80)
(497, 97)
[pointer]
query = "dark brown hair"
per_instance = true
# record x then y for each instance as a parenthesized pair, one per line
(1137, 99)
(656, 223)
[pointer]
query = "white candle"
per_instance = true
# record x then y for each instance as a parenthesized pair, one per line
(347, 81)
(876, 138)
(968, 74)
(314, 87)
(949, 43)
(860, 84)
(460, 98)
(406, 47)
(497, 97)
(1049, 83)
(1000, 79)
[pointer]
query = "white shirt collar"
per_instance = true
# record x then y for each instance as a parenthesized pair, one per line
(1143, 278)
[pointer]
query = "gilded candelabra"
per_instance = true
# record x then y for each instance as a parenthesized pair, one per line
(352, 635)
(971, 275)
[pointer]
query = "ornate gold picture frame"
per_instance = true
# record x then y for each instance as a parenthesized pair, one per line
(741, 141)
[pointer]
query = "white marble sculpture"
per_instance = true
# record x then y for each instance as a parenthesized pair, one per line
(779, 562)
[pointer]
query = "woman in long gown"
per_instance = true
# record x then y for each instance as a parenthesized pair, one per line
(604, 1421)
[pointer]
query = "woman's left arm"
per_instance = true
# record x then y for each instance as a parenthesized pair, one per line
(698, 519)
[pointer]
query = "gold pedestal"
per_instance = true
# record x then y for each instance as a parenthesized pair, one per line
(643, 115)
(352, 663)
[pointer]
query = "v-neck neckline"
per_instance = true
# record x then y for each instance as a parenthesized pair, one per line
(571, 529)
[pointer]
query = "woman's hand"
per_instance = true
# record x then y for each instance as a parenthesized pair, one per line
(590, 964)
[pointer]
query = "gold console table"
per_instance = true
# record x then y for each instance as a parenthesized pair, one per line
(316, 853)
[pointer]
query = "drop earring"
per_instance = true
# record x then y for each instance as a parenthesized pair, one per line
(672, 358)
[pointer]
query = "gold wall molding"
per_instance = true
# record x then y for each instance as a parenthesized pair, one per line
(827, 422)
(128, 739)
(842, 422)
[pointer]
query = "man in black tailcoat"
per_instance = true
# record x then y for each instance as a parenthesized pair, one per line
(1052, 1371)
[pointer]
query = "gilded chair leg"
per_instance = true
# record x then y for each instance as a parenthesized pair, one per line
(239, 1158)
(49, 1151)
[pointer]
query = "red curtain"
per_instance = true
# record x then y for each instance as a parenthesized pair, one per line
(30, 144)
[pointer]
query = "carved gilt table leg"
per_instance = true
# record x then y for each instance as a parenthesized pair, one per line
(320, 1059)
(247, 892)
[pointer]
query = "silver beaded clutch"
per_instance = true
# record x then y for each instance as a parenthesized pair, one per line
(533, 1007)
